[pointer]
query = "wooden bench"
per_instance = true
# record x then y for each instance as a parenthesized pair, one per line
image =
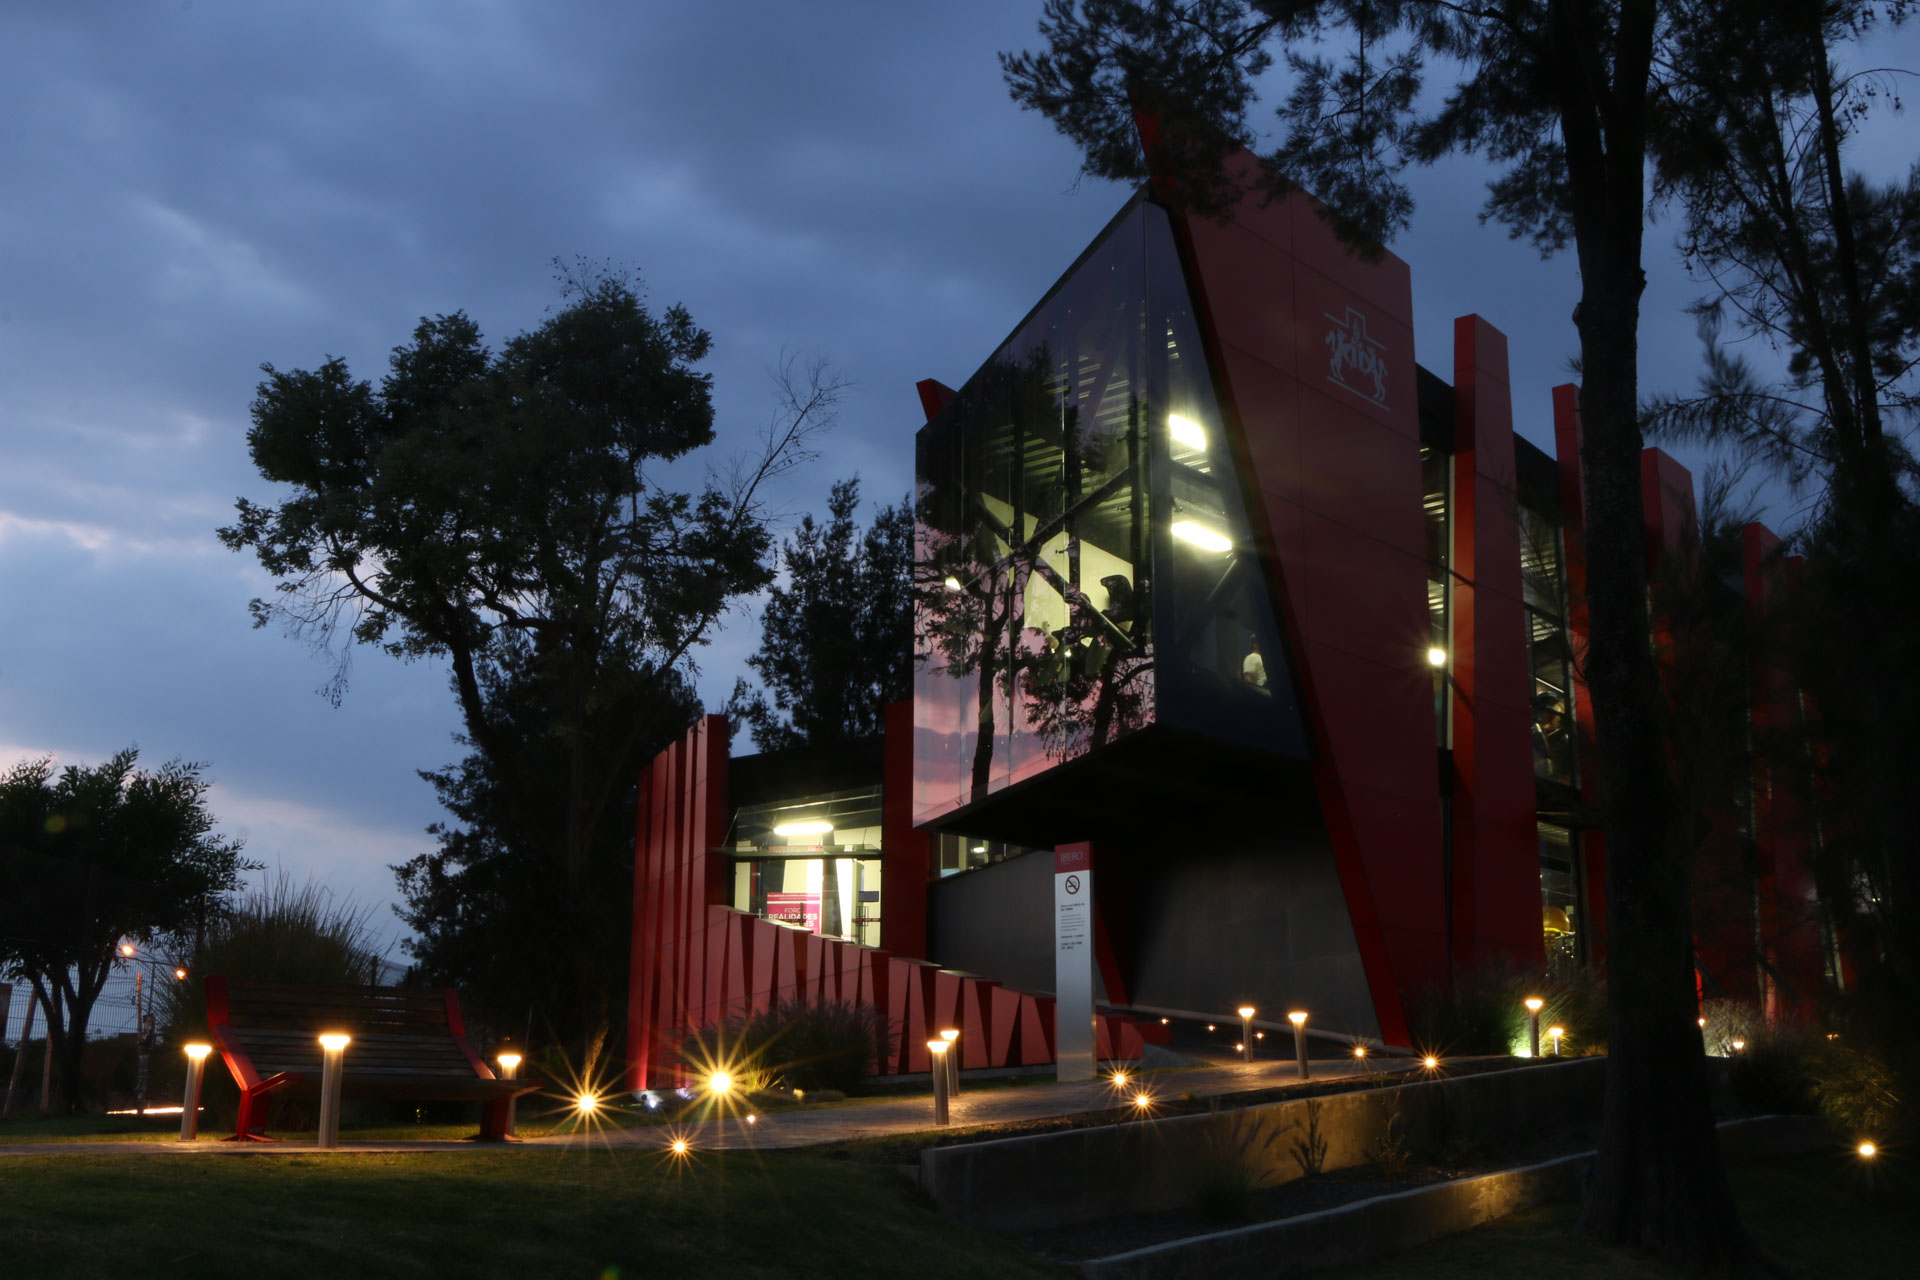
(407, 1045)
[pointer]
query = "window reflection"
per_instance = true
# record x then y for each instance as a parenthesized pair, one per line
(1549, 653)
(1560, 894)
(812, 863)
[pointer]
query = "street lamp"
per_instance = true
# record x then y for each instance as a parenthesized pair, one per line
(1533, 1004)
(1556, 1033)
(1246, 1012)
(952, 1036)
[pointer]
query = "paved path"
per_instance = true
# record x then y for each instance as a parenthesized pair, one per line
(808, 1127)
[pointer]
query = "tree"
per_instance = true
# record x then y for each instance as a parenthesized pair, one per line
(1561, 95)
(95, 857)
(501, 511)
(1824, 268)
(836, 640)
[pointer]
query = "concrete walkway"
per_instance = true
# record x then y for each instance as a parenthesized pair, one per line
(808, 1127)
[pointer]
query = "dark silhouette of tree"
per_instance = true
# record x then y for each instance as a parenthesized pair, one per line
(1565, 96)
(500, 511)
(93, 858)
(836, 640)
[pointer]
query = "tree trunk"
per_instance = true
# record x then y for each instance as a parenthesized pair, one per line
(1657, 1184)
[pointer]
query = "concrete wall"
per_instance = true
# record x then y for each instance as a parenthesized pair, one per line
(1252, 922)
(1021, 1184)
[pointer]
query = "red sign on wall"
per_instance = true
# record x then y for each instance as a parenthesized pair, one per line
(801, 909)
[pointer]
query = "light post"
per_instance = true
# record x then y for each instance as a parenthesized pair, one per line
(1533, 1025)
(190, 1103)
(938, 1048)
(1556, 1033)
(952, 1037)
(333, 1052)
(509, 1063)
(1867, 1152)
(1246, 1012)
(1299, 1020)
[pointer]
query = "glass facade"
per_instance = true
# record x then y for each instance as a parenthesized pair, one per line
(812, 863)
(1436, 484)
(1560, 883)
(1543, 585)
(1083, 567)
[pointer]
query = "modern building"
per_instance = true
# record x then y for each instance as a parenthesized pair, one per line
(1212, 575)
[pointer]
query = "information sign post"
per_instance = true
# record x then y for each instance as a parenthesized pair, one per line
(1073, 1040)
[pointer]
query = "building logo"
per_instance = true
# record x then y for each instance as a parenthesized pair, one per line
(1356, 361)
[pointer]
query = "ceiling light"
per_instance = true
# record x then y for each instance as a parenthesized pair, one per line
(1187, 432)
(815, 827)
(1201, 536)
(952, 583)
(1436, 657)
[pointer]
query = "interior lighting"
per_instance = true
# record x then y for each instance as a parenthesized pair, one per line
(813, 827)
(1187, 432)
(1436, 656)
(719, 1083)
(979, 848)
(1202, 537)
(126, 948)
(334, 1041)
(197, 1051)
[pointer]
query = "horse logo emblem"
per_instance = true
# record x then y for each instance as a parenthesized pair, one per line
(1355, 360)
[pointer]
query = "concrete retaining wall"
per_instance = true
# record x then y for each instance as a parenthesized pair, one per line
(1392, 1224)
(1021, 1184)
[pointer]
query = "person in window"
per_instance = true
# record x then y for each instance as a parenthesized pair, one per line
(1549, 737)
(1253, 669)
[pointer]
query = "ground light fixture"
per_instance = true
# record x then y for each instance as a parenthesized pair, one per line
(1533, 1004)
(679, 1146)
(719, 1084)
(952, 1037)
(1142, 1101)
(333, 1046)
(190, 1099)
(1246, 1012)
(1360, 1051)
(938, 1048)
(1299, 1020)
(1430, 1062)
(509, 1064)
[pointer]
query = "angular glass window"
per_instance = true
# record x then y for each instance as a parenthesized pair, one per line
(1083, 565)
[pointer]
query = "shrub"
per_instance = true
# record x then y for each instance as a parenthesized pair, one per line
(803, 1045)
(1774, 1074)
(1483, 1012)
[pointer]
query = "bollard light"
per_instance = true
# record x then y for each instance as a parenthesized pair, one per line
(1246, 1012)
(190, 1103)
(1533, 1004)
(1299, 1020)
(1556, 1033)
(952, 1037)
(509, 1064)
(938, 1048)
(1360, 1051)
(679, 1146)
(1867, 1151)
(719, 1084)
(1430, 1062)
(333, 1047)
(1119, 1079)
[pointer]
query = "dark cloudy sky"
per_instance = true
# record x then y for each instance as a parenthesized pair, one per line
(190, 189)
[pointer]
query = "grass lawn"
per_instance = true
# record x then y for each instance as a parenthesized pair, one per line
(593, 1214)
(1813, 1214)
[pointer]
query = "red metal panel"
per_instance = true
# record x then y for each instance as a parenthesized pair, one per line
(1003, 1025)
(1495, 908)
(786, 963)
(766, 964)
(1036, 1031)
(976, 1004)
(918, 979)
(1132, 1044)
(900, 984)
(903, 867)
(1372, 720)
(944, 1012)
(739, 942)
